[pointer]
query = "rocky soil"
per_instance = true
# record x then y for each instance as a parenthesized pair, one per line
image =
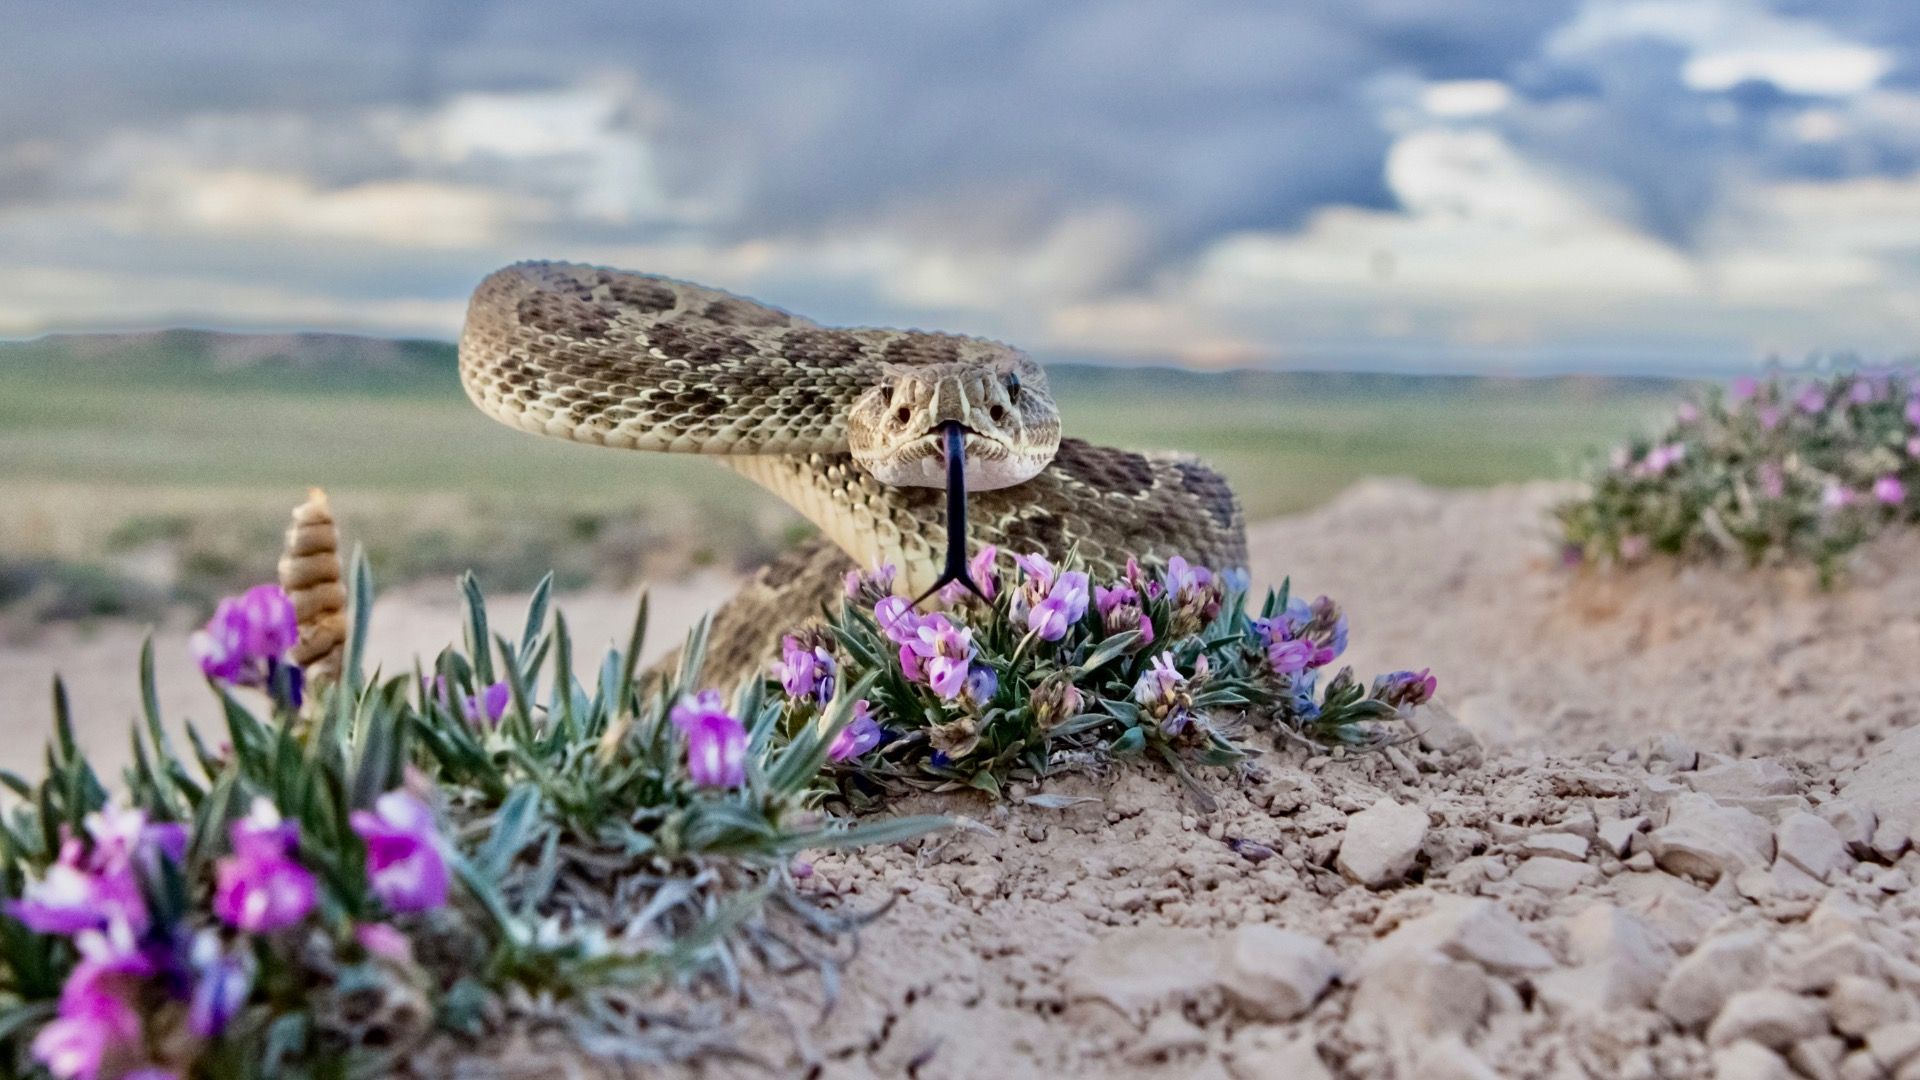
(1661, 824)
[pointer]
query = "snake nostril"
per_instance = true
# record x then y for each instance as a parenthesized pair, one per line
(998, 413)
(902, 414)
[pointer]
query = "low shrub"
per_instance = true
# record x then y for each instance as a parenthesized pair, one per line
(1776, 469)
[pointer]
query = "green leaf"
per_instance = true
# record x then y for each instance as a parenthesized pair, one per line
(512, 827)
(636, 640)
(1110, 648)
(360, 613)
(479, 641)
(888, 831)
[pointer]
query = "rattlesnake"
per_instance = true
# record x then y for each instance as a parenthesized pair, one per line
(840, 423)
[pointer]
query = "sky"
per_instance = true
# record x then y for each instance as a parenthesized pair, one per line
(1444, 185)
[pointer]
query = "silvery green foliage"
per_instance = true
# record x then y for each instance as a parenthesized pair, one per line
(590, 873)
(1781, 469)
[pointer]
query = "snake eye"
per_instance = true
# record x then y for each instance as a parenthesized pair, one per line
(1013, 386)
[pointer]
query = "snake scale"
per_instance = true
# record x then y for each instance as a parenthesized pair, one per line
(841, 423)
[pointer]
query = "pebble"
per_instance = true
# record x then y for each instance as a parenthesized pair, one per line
(1617, 834)
(1275, 974)
(1553, 875)
(1812, 844)
(1556, 845)
(1753, 778)
(1259, 1054)
(1749, 1061)
(1770, 1017)
(1854, 822)
(1625, 959)
(1858, 1005)
(1884, 783)
(1699, 985)
(1473, 929)
(1893, 1045)
(1141, 967)
(1380, 843)
(1706, 840)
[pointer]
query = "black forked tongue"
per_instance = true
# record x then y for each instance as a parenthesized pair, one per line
(956, 564)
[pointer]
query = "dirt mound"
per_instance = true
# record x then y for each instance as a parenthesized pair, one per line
(1588, 873)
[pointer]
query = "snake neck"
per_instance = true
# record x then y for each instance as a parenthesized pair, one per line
(872, 522)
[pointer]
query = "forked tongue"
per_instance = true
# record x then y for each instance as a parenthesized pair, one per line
(954, 437)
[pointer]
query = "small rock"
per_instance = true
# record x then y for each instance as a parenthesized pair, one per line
(1380, 843)
(1168, 1034)
(1858, 1005)
(1818, 1058)
(1753, 778)
(1699, 985)
(1812, 844)
(1894, 1044)
(1553, 875)
(1416, 995)
(1884, 783)
(1135, 969)
(1442, 732)
(1467, 928)
(1705, 840)
(1630, 954)
(1556, 845)
(1772, 1018)
(1853, 821)
(1448, 1058)
(1823, 964)
(1641, 862)
(1674, 750)
(1261, 1054)
(1617, 834)
(1749, 1061)
(1275, 974)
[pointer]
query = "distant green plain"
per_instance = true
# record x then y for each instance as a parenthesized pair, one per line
(166, 411)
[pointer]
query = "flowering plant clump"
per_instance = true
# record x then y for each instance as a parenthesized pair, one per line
(346, 876)
(1780, 468)
(1052, 668)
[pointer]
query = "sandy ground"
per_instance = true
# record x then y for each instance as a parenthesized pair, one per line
(1661, 826)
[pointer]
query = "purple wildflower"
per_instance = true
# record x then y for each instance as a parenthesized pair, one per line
(1055, 700)
(943, 652)
(805, 670)
(1811, 399)
(716, 741)
(1837, 497)
(980, 569)
(1634, 547)
(1769, 416)
(247, 634)
(1064, 605)
(1165, 694)
(1687, 413)
(861, 734)
(85, 890)
(1913, 411)
(982, 683)
(1913, 447)
(1889, 490)
(260, 887)
(222, 984)
(1406, 689)
(383, 941)
(97, 1029)
(1864, 392)
(1291, 656)
(405, 865)
(1120, 611)
(1184, 580)
(867, 589)
(1744, 388)
(1773, 480)
(489, 704)
(897, 619)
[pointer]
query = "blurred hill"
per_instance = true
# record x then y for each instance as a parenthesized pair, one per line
(161, 464)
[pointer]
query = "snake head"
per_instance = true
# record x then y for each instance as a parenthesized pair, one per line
(997, 395)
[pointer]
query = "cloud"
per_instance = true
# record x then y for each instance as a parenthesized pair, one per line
(1320, 181)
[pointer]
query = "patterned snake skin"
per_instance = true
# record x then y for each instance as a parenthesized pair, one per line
(621, 359)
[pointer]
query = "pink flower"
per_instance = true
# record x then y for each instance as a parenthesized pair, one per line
(805, 671)
(1913, 411)
(897, 619)
(1744, 388)
(1634, 547)
(1184, 580)
(1889, 490)
(861, 734)
(869, 587)
(944, 652)
(980, 569)
(1913, 447)
(223, 982)
(1773, 481)
(1065, 604)
(1836, 497)
(1769, 417)
(260, 888)
(982, 684)
(1687, 413)
(716, 741)
(1406, 689)
(405, 865)
(1291, 656)
(98, 1029)
(383, 941)
(86, 890)
(1811, 399)
(245, 635)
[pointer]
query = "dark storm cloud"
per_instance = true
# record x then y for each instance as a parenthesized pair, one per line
(1205, 117)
